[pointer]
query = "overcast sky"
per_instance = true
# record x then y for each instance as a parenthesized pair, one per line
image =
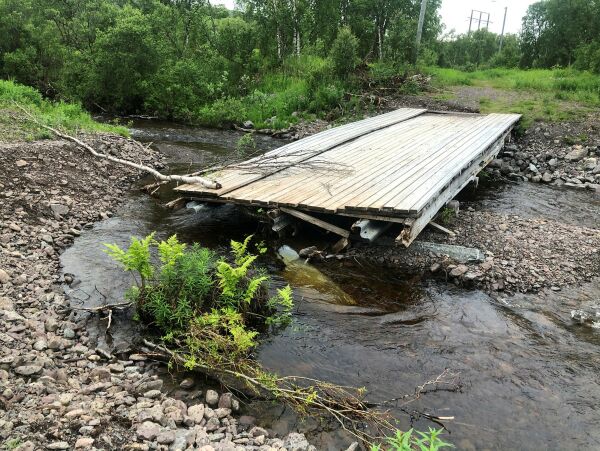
(456, 13)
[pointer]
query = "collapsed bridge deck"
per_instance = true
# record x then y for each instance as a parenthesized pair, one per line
(399, 167)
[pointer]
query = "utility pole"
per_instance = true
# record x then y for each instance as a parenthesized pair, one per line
(471, 21)
(503, 24)
(420, 28)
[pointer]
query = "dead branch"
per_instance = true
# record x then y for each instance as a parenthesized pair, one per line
(270, 163)
(345, 405)
(103, 308)
(212, 184)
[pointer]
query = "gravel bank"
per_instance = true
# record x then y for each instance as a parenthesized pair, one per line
(57, 391)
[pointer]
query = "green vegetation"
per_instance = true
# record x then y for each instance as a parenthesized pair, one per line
(12, 443)
(194, 62)
(206, 302)
(69, 117)
(246, 145)
(414, 440)
(276, 63)
(543, 94)
(208, 313)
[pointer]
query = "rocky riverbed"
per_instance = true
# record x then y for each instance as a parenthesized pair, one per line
(57, 390)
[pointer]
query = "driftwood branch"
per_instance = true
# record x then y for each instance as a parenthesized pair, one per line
(212, 184)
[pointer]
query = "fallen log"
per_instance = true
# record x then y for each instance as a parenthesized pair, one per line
(212, 184)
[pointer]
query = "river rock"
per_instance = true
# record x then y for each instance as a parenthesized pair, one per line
(196, 413)
(589, 164)
(547, 177)
(211, 397)
(187, 383)
(59, 209)
(222, 412)
(578, 153)
(166, 437)
(28, 370)
(84, 443)
(68, 333)
(297, 442)
(212, 424)
(225, 401)
(148, 430)
(308, 251)
(4, 277)
(459, 271)
(58, 445)
(21, 163)
(248, 124)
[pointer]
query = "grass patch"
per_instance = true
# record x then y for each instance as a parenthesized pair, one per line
(71, 118)
(545, 94)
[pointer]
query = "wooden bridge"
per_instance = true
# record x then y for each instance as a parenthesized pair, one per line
(396, 168)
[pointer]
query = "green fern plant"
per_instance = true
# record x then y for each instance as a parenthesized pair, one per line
(211, 307)
(136, 257)
(414, 440)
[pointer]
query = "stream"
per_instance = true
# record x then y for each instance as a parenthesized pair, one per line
(529, 371)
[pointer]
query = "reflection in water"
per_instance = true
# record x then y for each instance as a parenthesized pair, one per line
(309, 282)
(530, 372)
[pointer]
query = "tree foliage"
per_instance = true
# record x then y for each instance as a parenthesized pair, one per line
(188, 59)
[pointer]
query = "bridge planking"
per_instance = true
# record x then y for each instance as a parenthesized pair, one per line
(397, 165)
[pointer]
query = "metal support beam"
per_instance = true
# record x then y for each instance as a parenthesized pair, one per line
(370, 230)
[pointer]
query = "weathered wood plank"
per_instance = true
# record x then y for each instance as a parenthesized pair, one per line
(316, 221)
(395, 168)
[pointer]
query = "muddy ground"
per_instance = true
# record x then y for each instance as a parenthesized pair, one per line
(57, 390)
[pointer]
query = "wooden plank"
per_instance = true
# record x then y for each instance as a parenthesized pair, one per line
(312, 188)
(408, 234)
(419, 197)
(346, 155)
(319, 143)
(431, 169)
(357, 190)
(442, 228)
(316, 221)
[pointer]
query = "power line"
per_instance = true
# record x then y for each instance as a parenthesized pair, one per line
(479, 19)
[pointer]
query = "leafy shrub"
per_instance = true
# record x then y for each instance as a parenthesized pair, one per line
(327, 97)
(222, 112)
(344, 52)
(67, 116)
(212, 306)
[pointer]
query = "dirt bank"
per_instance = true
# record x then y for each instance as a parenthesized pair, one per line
(57, 391)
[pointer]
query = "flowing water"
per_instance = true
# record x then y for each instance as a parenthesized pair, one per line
(530, 372)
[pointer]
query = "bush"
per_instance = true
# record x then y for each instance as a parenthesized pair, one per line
(327, 97)
(246, 145)
(222, 112)
(344, 52)
(415, 440)
(213, 307)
